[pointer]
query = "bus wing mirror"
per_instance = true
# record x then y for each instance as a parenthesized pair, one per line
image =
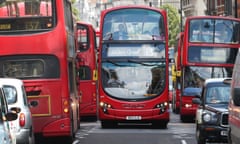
(171, 60)
(236, 96)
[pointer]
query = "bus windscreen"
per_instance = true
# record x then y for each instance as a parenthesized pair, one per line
(214, 31)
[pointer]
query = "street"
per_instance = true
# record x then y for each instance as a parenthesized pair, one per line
(176, 133)
(91, 133)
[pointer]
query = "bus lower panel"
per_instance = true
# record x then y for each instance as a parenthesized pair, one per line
(188, 111)
(60, 127)
(89, 110)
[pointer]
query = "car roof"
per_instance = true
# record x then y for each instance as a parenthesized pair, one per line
(1, 85)
(10, 81)
(216, 80)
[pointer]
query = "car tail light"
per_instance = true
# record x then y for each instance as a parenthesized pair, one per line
(22, 119)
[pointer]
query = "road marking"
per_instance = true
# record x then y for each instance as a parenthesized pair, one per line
(76, 142)
(183, 142)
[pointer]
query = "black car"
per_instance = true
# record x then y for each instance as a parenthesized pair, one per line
(212, 112)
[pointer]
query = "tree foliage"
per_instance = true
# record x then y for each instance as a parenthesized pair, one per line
(173, 23)
(75, 10)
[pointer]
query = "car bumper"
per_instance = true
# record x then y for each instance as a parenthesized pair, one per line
(214, 133)
(22, 136)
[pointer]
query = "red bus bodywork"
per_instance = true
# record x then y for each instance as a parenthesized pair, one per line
(204, 55)
(87, 69)
(43, 56)
(153, 108)
(177, 74)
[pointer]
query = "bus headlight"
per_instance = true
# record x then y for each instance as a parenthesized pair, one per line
(162, 107)
(105, 107)
(188, 105)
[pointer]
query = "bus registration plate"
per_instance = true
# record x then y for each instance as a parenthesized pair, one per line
(133, 117)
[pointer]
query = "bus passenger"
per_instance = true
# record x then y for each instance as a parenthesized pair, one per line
(157, 34)
(121, 34)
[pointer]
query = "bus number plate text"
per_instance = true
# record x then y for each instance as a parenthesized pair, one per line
(133, 117)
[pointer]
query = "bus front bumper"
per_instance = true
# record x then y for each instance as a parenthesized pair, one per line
(134, 115)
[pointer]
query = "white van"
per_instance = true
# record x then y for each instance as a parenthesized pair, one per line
(16, 97)
(234, 105)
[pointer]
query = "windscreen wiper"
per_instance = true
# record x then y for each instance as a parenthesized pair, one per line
(112, 62)
(144, 63)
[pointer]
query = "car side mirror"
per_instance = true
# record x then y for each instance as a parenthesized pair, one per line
(198, 96)
(10, 116)
(196, 101)
(236, 96)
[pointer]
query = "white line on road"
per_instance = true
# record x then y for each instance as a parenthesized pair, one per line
(76, 142)
(183, 142)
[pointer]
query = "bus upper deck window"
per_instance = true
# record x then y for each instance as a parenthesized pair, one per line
(32, 7)
(121, 33)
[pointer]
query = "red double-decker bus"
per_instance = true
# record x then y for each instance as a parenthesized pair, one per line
(133, 66)
(176, 73)
(87, 49)
(209, 50)
(38, 46)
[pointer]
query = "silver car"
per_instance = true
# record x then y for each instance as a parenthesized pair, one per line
(16, 96)
(5, 134)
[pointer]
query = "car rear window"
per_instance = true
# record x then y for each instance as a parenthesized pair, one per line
(11, 94)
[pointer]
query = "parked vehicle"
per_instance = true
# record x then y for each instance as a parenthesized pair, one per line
(15, 94)
(234, 105)
(212, 113)
(187, 108)
(5, 134)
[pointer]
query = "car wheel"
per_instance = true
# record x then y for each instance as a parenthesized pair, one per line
(31, 137)
(229, 136)
(200, 138)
